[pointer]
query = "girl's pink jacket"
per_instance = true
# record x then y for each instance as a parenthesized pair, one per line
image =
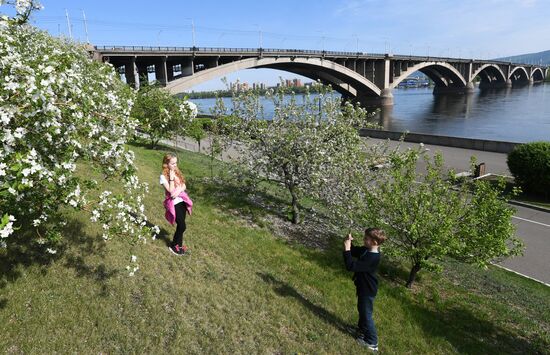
(170, 214)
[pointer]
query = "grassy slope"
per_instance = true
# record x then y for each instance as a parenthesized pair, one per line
(243, 290)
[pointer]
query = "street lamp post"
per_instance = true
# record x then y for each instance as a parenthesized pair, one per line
(158, 38)
(259, 35)
(192, 31)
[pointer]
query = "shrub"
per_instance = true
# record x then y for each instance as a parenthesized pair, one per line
(161, 115)
(530, 165)
(59, 108)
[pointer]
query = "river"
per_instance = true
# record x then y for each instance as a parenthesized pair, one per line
(514, 114)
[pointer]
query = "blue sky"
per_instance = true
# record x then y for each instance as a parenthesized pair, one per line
(463, 28)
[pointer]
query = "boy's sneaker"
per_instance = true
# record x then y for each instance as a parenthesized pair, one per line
(362, 342)
(176, 249)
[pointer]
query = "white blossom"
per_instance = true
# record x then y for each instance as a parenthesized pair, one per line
(56, 117)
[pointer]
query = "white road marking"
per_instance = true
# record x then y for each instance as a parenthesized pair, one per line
(528, 220)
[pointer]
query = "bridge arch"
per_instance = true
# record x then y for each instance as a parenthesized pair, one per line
(315, 68)
(442, 74)
(339, 85)
(490, 73)
(537, 74)
(519, 75)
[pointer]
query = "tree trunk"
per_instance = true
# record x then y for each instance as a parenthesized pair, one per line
(199, 144)
(412, 275)
(295, 215)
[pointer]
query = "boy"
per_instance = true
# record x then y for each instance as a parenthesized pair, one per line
(366, 284)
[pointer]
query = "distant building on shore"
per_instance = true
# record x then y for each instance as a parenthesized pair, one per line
(291, 83)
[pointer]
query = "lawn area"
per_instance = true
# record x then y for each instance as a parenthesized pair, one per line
(245, 289)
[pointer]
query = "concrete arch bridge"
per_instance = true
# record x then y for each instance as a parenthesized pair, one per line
(365, 78)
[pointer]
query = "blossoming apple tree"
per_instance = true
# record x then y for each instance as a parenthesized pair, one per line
(304, 146)
(58, 108)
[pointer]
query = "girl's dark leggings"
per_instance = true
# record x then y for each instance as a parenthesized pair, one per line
(181, 209)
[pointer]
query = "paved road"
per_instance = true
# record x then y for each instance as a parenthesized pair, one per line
(458, 158)
(533, 226)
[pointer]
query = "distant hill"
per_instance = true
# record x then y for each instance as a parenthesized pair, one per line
(530, 58)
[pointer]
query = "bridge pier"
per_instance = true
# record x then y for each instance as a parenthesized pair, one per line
(143, 75)
(130, 72)
(385, 99)
(470, 88)
(161, 71)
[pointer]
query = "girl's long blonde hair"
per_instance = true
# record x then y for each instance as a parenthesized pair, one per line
(166, 169)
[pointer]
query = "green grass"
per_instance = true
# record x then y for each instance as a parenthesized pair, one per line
(245, 290)
(530, 198)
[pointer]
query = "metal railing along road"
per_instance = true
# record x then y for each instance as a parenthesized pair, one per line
(264, 51)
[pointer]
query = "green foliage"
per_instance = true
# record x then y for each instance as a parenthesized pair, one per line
(58, 109)
(428, 217)
(305, 145)
(230, 93)
(530, 165)
(486, 233)
(161, 115)
(198, 130)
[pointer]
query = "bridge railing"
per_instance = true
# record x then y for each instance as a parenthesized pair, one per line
(300, 52)
(230, 50)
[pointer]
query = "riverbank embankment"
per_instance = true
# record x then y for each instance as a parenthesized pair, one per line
(457, 142)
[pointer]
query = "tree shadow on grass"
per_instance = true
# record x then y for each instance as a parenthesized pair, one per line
(232, 197)
(468, 332)
(163, 235)
(23, 252)
(459, 325)
(283, 289)
(267, 209)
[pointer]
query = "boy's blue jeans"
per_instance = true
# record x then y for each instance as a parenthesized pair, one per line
(365, 305)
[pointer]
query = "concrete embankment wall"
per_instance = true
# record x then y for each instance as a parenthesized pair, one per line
(457, 142)
(467, 143)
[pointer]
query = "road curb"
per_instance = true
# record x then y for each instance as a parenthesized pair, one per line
(528, 205)
(522, 275)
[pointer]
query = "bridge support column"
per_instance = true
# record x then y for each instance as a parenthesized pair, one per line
(131, 73)
(160, 71)
(385, 99)
(169, 72)
(143, 75)
(470, 88)
(187, 67)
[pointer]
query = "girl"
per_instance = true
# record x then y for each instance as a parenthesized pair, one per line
(177, 203)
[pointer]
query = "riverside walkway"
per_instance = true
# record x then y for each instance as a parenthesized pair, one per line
(533, 225)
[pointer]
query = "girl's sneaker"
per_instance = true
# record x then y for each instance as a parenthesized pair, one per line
(176, 249)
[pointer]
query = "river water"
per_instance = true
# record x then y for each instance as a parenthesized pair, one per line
(514, 114)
